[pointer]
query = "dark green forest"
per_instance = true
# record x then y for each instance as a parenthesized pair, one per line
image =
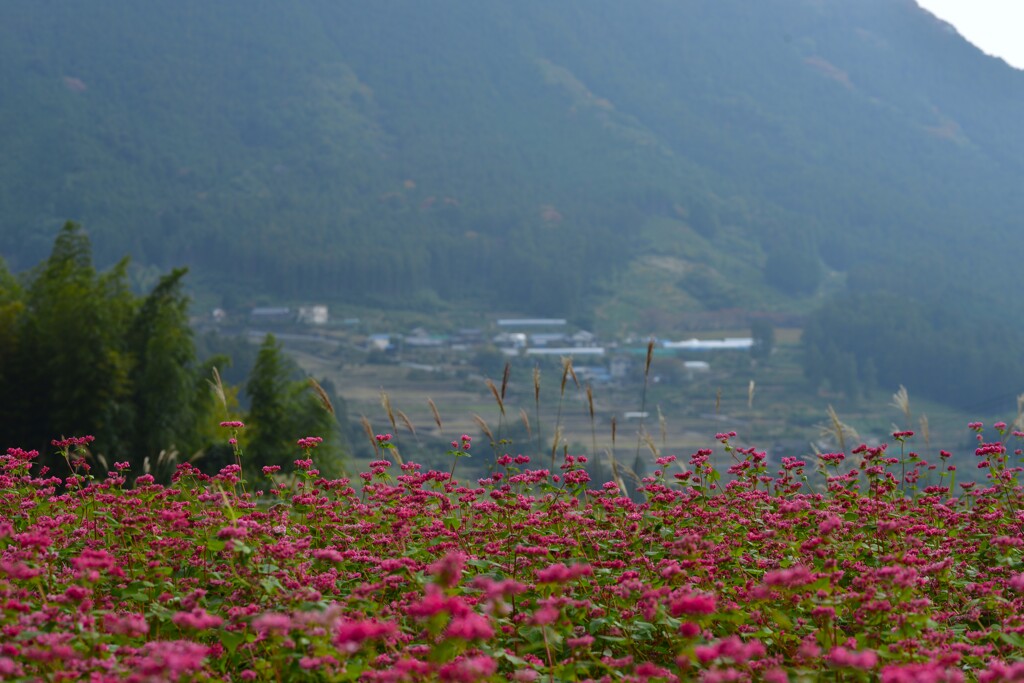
(513, 157)
(972, 364)
(80, 353)
(545, 158)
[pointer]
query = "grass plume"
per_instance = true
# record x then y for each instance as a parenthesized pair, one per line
(526, 422)
(643, 403)
(385, 402)
(837, 430)
(368, 430)
(901, 400)
(325, 400)
(436, 414)
(408, 423)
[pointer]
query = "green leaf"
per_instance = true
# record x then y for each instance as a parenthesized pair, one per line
(230, 639)
(781, 618)
(1013, 639)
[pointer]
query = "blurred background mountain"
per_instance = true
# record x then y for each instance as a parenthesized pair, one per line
(621, 164)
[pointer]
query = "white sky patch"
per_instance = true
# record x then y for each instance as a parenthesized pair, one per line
(994, 26)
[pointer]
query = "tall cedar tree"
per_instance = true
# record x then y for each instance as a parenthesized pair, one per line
(80, 354)
(283, 409)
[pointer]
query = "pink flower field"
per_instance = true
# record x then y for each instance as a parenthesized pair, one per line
(872, 565)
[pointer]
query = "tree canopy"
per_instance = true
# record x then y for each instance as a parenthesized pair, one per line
(81, 354)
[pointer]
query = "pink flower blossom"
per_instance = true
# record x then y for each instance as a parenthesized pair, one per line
(470, 626)
(691, 604)
(198, 618)
(349, 636)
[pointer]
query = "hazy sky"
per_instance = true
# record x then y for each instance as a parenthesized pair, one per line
(995, 26)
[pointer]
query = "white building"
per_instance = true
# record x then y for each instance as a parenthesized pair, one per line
(313, 315)
(729, 343)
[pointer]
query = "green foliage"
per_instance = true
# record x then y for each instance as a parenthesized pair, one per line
(854, 340)
(713, 290)
(513, 158)
(80, 354)
(92, 358)
(168, 390)
(284, 409)
(794, 271)
(703, 218)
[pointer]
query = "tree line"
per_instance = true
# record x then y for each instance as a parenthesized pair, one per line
(80, 353)
(857, 341)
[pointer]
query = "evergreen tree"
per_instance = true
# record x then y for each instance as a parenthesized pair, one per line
(80, 354)
(71, 353)
(168, 400)
(285, 408)
(270, 437)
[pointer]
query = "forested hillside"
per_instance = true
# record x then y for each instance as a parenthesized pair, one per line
(545, 157)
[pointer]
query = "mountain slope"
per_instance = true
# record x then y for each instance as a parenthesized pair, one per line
(547, 157)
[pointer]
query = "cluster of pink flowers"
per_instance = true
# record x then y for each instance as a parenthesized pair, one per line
(522, 575)
(73, 441)
(309, 442)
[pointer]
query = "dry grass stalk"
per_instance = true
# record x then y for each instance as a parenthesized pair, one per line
(482, 423)
(368, 430)
(663, 427)
(496, 394)
(632, 475)
(566, 371)
(165, 461)
(325, 400)
(901, 400)
(536, 401)
(643, 400)
(526, 422)
(504, 378)
(750, 395)
(649, 442)
(554, 444)
(837, 430)
(437, 415)
(407, 422)
(616, 475)
(385, 402)
(718, 400)
(164, 456)
(925, 431)
(593, 421)
(218, 389)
